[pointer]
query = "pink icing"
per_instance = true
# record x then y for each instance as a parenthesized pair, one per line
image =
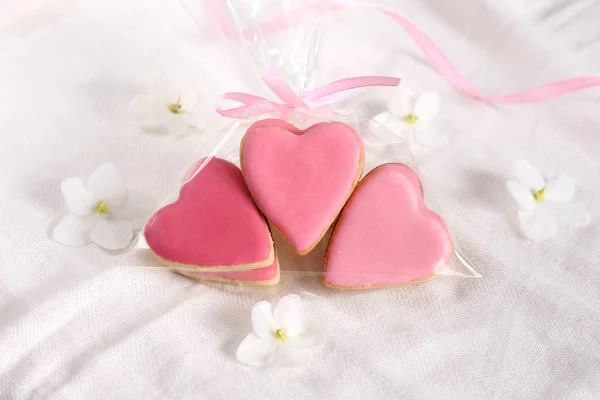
(213, 223)
(274, 122)
(253, 275)
(301, 181)
(386, 235)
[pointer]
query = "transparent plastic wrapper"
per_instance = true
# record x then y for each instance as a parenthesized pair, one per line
(299, 199)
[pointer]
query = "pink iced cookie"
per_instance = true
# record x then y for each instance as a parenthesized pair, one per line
(214, 224)
(386, 235)
(301, 179)
(256, 277)
(274, 122)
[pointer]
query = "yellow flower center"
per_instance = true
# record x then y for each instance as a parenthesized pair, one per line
(411, 118)
(539, 195)
(280, 334)
(102, 208)
(175, 108)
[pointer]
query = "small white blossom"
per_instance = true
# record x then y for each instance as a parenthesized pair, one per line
(279, 335)
(544, 204)
(104, 212)
(174, 106)
(410, 117)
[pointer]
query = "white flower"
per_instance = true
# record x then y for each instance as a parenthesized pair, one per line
(409, 117)
(279, 336)
(105, 212)
(175, 106)
(544, 204)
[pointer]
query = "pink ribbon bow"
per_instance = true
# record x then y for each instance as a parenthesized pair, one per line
(323, 95)
(432, 52)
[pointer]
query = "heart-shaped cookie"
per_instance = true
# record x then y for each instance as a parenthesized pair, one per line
(300, 179)
(386, 235)
(213, 226)
(274, 122)
(255, 277)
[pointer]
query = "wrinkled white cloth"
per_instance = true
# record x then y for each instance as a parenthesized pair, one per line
(73, 326)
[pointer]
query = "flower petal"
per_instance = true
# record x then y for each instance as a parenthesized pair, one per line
(429, 137)
(390, 121)
(197, 119)
(112, 235)
(181, 93)
(189, 98)
(572, 214)
(74, 231)
(561, 189)
(289, 314)
(137, 207)
(256, 351)
(382, 118)
(263, 323)
(105, 184)
(175, 124)
(402, 103)
(145, 109)
(521, 194)
(79, 201)
(289, 357)
(307, 339)
(427, 107)
(408, 133)
(538, 224)
(529, 176)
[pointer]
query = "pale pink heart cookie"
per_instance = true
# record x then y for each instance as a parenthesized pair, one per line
(256, 277)
(214, 225)
(302, 179)
(386, 235)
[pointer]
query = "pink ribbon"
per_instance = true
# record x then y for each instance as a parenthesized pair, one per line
(289, 99)
(445, 68)
(431, 51)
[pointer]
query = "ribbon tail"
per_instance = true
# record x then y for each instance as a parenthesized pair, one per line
(432, 52)
(246, 110)
(448, 71)
(548, 91)
(333, 91)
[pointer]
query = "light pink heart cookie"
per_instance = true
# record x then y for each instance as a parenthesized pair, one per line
(301, 179)
(214, 226)
(386, 235)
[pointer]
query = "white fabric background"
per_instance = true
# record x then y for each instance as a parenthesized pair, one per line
(72, 326)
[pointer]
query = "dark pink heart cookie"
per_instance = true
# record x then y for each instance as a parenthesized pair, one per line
(214, 226)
